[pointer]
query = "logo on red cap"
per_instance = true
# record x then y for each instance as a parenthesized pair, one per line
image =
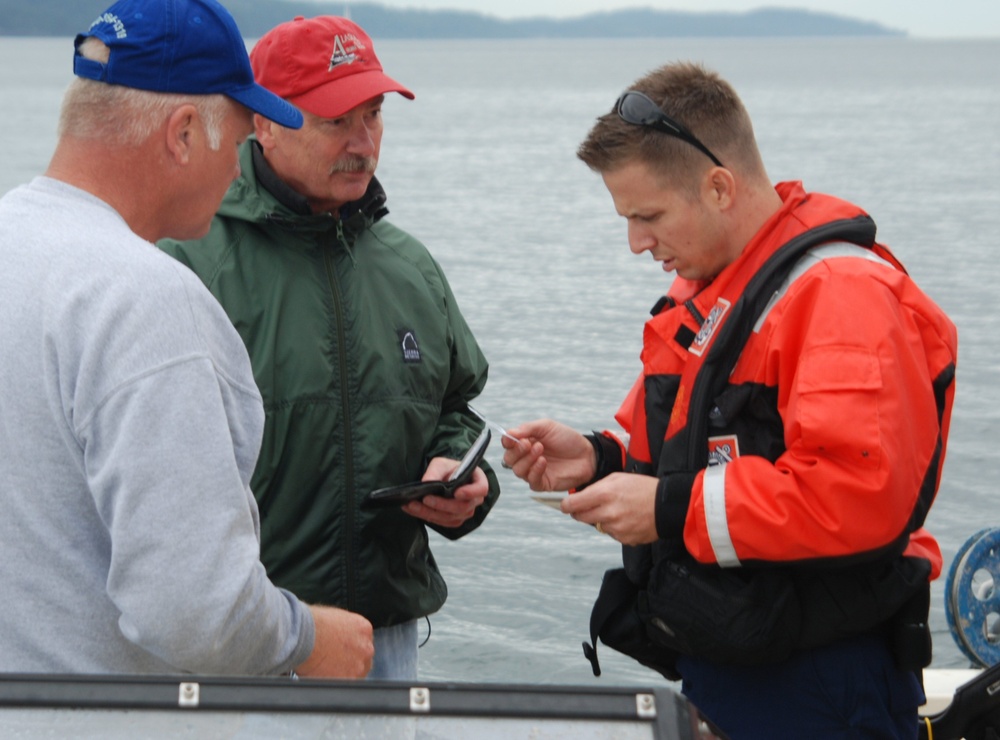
(340, 53)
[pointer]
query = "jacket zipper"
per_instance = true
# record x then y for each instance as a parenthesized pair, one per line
(338, 309)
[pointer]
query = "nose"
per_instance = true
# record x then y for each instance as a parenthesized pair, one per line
(362, 139)
(639, 238)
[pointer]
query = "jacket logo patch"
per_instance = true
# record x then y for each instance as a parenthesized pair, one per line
(722, 450)
(408, 343)
(704, 336)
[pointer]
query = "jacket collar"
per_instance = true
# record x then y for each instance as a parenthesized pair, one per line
(270, 181)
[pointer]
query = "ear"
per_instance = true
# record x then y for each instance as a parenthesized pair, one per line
(263, 128)
(182, 130)
(719, 188)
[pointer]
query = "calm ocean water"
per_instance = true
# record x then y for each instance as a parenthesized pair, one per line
(481, 166)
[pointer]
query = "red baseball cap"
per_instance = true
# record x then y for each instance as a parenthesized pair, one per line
(324, 65)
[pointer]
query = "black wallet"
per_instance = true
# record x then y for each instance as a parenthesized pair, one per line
(399, 495)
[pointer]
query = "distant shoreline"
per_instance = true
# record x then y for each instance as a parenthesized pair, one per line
(256, 17)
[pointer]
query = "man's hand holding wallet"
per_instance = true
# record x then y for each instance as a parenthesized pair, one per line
(401, 494)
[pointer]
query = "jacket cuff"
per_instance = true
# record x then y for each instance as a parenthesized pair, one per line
(673, 496)
(609, 456)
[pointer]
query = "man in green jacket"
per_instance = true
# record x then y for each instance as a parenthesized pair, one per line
(357, 344)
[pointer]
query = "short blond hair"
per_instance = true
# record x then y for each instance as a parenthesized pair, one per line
(127, 116)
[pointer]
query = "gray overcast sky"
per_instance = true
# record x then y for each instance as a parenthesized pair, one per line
(919, 18)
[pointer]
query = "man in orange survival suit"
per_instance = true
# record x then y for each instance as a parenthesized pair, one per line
(786, 435)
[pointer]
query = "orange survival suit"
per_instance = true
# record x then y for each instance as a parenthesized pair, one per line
(795, 410)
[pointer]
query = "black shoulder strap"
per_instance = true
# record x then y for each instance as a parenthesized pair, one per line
(733, 335)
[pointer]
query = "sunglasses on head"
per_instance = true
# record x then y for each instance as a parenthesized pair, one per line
(639, 109)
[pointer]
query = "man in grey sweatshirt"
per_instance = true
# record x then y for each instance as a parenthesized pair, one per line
(129, 419)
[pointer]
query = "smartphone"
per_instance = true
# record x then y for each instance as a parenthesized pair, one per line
(399, 495)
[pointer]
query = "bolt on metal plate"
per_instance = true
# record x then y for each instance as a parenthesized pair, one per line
(189, 695)
(645, 706)
(420, 700)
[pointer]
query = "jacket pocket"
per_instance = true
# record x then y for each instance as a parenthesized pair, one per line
(837, 392)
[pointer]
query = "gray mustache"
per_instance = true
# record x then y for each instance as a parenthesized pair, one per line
(354, 164)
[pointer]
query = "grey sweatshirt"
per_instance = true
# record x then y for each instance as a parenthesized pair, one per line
(129, 428)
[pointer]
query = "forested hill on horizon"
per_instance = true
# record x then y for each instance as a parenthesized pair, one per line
(255, 17)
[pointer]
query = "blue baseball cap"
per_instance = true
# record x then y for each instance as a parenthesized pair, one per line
(190, 47)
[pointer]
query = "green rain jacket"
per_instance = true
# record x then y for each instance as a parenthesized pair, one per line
(366, 367)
